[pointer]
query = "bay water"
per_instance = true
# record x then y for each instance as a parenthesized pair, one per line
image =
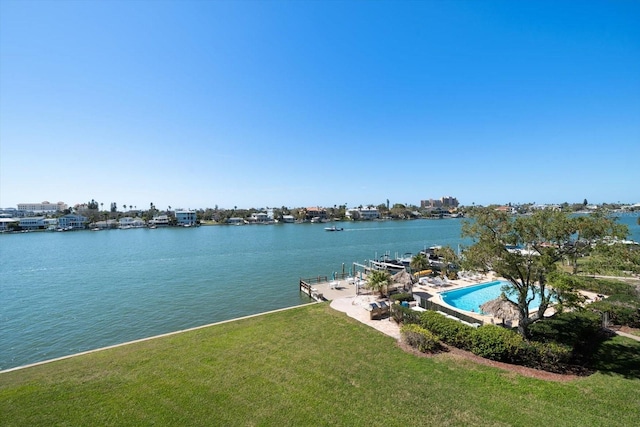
(64, 293)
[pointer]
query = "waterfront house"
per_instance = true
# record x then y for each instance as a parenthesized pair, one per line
(259, 218)
(186, 217)
(33, 223)
(160, 221)
(235, 221)
(130, 222)
(8, 223)
(289, 219)
(103, 225)
(315, 214)
(72, 221)
(367, 213)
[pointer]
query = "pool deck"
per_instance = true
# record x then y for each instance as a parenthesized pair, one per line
(349, 297)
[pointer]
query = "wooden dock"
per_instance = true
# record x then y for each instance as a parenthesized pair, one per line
(323, 288)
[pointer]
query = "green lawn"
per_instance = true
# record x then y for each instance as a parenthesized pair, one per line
(307, 366)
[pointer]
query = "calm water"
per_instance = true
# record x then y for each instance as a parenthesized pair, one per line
(62, 293)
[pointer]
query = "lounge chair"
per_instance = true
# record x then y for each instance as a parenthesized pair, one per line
(374, 311)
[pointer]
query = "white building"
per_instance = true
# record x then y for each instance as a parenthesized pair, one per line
(43, 208)
(160, 221)
(130, 222)
(288, 219)
(367, 213)
(5, 223)
(186, 217)
(259, 218)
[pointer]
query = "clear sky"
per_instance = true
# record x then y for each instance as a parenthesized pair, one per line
(194, 104)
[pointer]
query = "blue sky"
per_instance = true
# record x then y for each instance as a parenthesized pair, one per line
(195, 104)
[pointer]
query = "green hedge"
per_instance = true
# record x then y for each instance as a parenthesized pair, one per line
(551, 357)
(420, 338)
(497, 343)
(448, 330)
(504, 345)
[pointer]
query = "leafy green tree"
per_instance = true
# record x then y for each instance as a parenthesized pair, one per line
(378, 281)
(92, 205)
(587, 232)
(544, 239)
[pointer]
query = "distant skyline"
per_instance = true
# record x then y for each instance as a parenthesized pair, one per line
(193, 104)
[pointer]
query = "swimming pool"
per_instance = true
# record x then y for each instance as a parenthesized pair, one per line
(472, 297)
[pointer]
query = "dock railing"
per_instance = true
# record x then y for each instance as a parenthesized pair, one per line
(306, 286)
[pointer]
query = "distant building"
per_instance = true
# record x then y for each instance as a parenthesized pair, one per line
(186, 217)
(43, 208)
(367, 213)
(444, 202)
(130, 222)
(288, 218)
(507, 209)
(160, 221)
(260, 218)
(8, 223)
(12, 213)
(72, 221)
(33, 223)
(316, 213)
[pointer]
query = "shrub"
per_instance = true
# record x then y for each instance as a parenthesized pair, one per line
(404, 315)
(577, 333)
(606, 287)
(620, 312)
(572, 329)
(420, 338)
(550, 357)
(497, 343)
(448, 330)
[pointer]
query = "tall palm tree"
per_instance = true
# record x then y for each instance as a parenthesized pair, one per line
(378, 280)
(419, 262)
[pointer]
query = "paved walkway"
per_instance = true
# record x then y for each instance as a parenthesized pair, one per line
(352, 305)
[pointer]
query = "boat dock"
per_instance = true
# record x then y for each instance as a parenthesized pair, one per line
(323, 288)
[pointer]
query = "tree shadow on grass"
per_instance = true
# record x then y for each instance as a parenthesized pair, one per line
(593, 348)
(618, 355)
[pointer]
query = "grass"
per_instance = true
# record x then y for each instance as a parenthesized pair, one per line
(306, 366)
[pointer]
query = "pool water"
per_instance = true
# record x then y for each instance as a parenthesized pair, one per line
(472, 297)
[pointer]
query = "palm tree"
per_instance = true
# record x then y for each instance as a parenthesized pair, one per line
(378, 280)
(448, 257)
(419, 262)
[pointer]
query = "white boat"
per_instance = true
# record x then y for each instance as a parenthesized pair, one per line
(333, 228)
